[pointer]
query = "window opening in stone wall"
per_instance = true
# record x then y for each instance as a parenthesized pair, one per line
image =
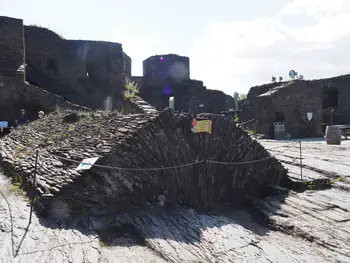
(329, 97)
(279, 117)
(52, 64)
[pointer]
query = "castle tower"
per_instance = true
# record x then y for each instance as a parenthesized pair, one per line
(167, 66)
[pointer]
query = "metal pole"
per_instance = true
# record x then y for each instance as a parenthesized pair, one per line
(301, 162)
(206, 136)
(33, 187)
(331, 117)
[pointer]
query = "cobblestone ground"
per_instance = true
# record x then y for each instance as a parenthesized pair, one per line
(310, 226)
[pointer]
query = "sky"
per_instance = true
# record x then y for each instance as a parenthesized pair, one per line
(232, 44)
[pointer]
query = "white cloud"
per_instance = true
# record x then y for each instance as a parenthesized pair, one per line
(309, 36)
(313, 8)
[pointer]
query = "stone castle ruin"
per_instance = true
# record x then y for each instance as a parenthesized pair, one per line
(15, 92)
(327, 100)
(169, 75)
(144, 152)
(163, 188)
(89, 73)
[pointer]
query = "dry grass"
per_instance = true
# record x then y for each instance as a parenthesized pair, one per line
(38, 26)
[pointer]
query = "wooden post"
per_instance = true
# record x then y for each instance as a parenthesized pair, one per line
(207, 179)
(33, 187)
(301, 162)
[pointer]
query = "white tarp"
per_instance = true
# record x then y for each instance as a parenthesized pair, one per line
(86, 164)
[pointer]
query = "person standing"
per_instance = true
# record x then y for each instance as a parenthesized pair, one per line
(41, 114)
(14, 125)
(22, 118)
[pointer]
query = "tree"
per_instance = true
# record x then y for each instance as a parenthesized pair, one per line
(238, 97)
(242, 96)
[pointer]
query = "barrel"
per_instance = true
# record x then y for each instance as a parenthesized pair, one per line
(279, 130)
(333, 135)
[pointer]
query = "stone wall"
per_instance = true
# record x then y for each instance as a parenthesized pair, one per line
(341, 114)
(196, 99)
(92, 73)
(140, 142)
(189, 95)
(11, 45)
(168, 75)
(293, 100)
(16, 95)
(84, 72)
(218, 101)
(127, 64)
(167, 66)
(157, 92)
(248, 105)
(137, 106)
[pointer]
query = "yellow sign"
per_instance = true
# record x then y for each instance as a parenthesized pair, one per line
(202, 126)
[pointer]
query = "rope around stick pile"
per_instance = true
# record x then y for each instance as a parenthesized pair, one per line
(253, 161)
(130, 169)
(171, 167)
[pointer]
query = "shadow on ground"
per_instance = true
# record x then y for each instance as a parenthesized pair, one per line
(174, 224)
(179, 224)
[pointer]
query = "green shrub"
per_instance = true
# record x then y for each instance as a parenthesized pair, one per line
(131, 89)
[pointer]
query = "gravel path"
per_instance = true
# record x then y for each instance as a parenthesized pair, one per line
(312, 226)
